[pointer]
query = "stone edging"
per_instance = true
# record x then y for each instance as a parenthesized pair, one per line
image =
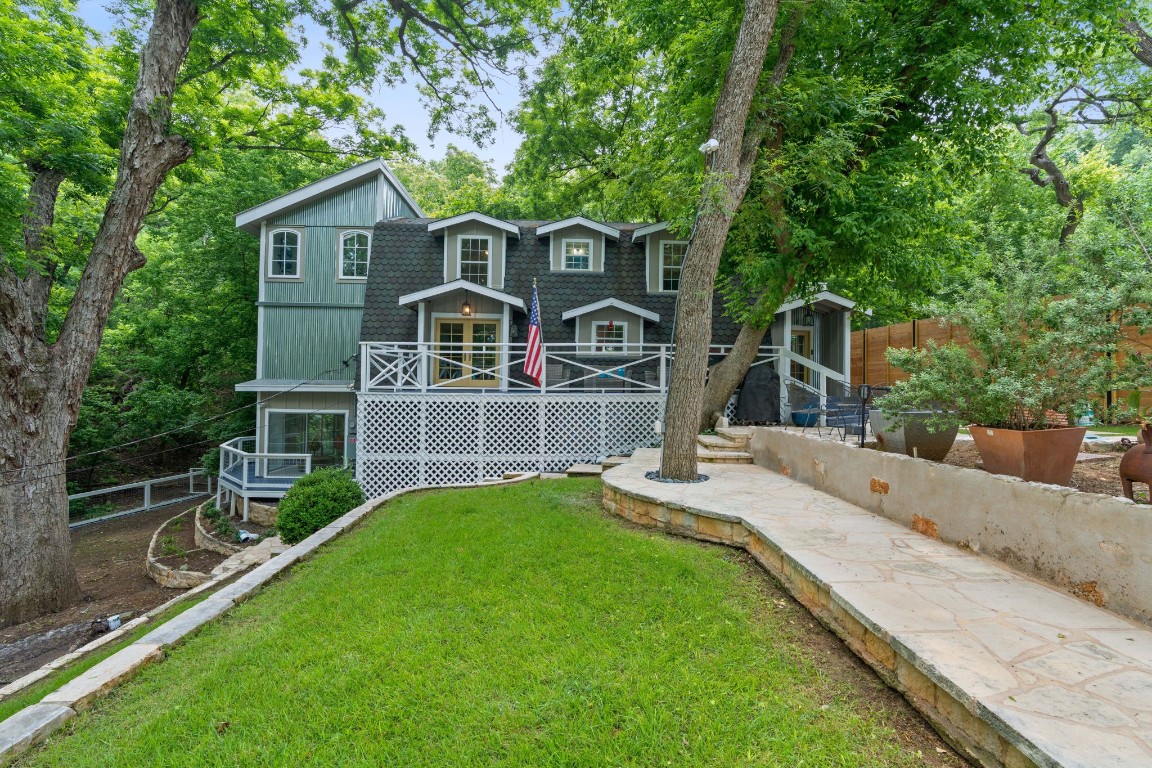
(166, 576)
(34, 723)
(205, 539)
(957, 720)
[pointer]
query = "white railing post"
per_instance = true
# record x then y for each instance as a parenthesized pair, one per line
(663, 369)
(147, 495)
(543, 367)
(365, 364)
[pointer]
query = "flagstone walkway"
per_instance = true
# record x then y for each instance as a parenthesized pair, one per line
(1016, 671)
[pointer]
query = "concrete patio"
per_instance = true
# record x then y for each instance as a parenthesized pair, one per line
(1012, 671)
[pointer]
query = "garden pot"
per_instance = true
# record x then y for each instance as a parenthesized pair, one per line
(912, 437)
(1039, 455)
(1136, 466)
(801, 419)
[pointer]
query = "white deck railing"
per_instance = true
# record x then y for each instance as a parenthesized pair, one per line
(568, 367)
(241, 465)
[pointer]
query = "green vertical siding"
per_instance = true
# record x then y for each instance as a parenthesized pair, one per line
(301, 342)
(312, 323)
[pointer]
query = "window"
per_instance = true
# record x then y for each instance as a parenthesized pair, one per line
(285, 258)
(578, 254)
(320, 434)
(474, 259)
(671, 263)
(609, 337)
(354, 255)
(467, 352)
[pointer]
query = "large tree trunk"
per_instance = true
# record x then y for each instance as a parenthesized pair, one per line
(732, 170)
(726, 375)
(41, 385)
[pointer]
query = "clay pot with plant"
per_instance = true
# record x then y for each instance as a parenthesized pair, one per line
(1034, 354)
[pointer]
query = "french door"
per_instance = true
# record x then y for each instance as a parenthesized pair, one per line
(467, 352)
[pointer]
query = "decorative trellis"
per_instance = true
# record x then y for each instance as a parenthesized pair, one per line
(441, 438)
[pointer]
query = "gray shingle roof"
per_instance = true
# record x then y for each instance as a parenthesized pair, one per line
(407, 258)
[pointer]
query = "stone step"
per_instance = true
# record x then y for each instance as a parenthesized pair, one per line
(717, 443)
(735, 433)
(614, 461)
(584, 470)
(723, 457)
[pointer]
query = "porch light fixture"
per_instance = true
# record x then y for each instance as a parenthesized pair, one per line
(466, 308)
(807, 316)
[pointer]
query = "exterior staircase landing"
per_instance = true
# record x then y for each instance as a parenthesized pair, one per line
(728, 446)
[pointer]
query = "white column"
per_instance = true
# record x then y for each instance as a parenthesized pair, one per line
(786, 343)
(847, 345)
(422, 359)
(505, 325)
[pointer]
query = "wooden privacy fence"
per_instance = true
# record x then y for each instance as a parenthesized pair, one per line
(869, 346)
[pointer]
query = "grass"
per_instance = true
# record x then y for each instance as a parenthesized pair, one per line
(503, 626)
(1131, 430)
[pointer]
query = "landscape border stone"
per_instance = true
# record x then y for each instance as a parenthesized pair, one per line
(32, 724)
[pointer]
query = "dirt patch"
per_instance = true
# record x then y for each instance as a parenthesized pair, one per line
(1097, 476)
(176, 547)
(109, 560)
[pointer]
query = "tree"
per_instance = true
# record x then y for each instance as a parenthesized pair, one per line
(195, 76)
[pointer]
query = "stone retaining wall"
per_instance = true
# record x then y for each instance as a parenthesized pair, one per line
(205, 539)
(1095, 546)
(959, 723)
(173, 578)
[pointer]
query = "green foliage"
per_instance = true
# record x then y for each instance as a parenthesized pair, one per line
(170, 547)
(314, 501)
(1032, 354)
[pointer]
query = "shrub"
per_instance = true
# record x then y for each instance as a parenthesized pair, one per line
(316, 500)
(1030, 355)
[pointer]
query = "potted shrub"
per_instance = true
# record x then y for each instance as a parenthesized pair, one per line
(1031, 360)
(922, 434)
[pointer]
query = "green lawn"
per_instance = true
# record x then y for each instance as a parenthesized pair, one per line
(513, 625)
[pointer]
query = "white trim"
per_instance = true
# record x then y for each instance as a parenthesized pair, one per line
(311, 411)
(298, 231)
(623, 342)
(340, 235)
(263, 385)
(259, 343)
(615, 303)
(564, 258)
(501, 356)
(660, 264)
(648, 230)
(249, 219)
(461, 285)
(460, 261)
(474, 216)
(828, 296)
(574, 221)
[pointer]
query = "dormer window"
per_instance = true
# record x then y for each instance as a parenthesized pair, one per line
(354, 249)
(474, 259)
(577, 254)
(671, 264)
(284, 260)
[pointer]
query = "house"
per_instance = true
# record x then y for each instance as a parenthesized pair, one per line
(397, 341)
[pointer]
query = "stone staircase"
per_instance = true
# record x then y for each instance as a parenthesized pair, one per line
(728, 446)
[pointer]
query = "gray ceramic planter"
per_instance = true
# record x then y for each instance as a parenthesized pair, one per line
(912, 437)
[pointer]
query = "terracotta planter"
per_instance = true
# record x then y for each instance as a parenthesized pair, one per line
(1136, 466)
(912, 438)
(1039, 455)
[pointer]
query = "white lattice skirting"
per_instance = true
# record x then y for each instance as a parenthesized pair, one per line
(409, 439)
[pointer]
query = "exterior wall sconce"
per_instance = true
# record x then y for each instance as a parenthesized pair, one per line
(807, 316)
(466, 307)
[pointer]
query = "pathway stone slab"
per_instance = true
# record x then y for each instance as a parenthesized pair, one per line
(1064, 682)
(176, 629)
(30, 725)
(79, 693)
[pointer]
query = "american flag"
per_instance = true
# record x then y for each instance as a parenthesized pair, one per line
(534, 357)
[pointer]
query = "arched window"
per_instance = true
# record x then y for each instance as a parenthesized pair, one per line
(354, 254)
(284, 260)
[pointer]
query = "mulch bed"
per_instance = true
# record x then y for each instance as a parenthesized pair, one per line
(176, 548)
